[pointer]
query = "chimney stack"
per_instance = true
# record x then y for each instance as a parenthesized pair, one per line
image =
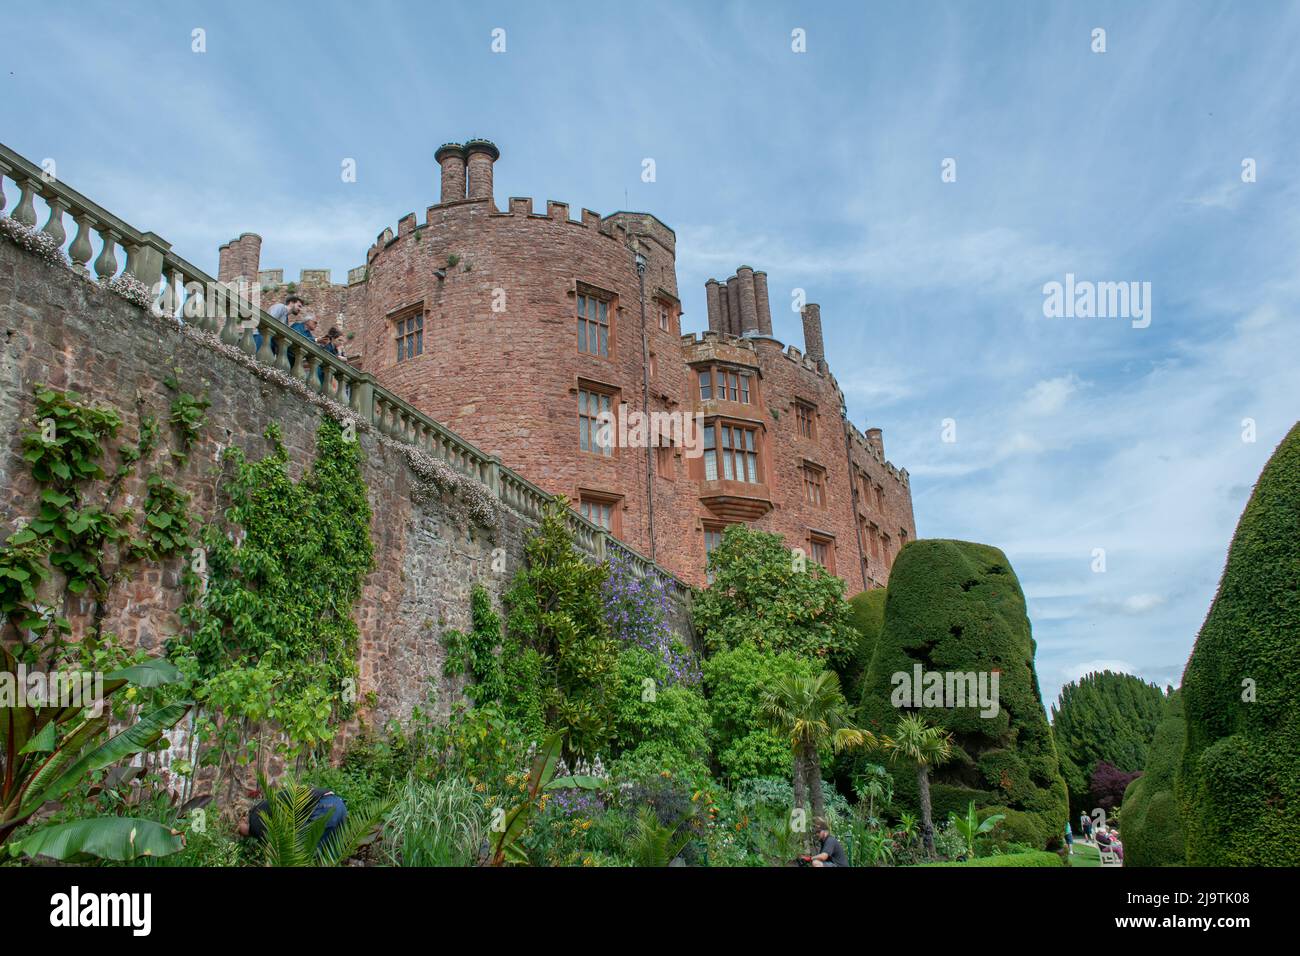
(812, 334)
(240, 257)
(714, 305)
(481, 154)
(876, 438)
(764, 304)
(748, 301)
(733, 305)
(451, 157)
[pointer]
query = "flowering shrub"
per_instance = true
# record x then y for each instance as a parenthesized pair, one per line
(40, 244)
(131, 289)
(636, 609)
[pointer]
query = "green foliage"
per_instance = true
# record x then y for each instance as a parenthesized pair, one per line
(270, 636)
(743, 745)
(435, 824)
(1153, 832)
(63, 450)
(957, 606)
(970, 826)
(1240, 772)
(167, 524)
(1031, 858)
(187, 414)
(657, 727)
(475, 653)
(1105, 716)
(555, 612)
(811, 714)
(867, 615)
(762, 595)
(293, 839)
(49, 751)
(105, 838)
(656, 844)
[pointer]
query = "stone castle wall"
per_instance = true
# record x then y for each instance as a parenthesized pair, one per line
(497, 292)
(63, 330)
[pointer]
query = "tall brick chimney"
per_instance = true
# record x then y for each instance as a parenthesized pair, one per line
(876, 438)
(764, 304)
(451, 157)
(724, 309)
(481, 154)
(714, 305)
(748, 301)
(812, 334)
(733, 305)
(240, 257)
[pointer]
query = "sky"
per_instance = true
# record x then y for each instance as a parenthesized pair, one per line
(832, 168)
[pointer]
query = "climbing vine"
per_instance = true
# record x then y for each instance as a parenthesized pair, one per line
(270, 638)
(77, 531)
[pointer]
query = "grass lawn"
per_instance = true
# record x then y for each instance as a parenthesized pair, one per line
(1085, 855)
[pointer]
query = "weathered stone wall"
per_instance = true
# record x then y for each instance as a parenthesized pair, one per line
(63, 330)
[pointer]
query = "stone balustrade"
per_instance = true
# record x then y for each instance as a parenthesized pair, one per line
(227, 312)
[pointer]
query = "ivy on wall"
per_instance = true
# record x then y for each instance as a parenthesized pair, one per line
(270, 639)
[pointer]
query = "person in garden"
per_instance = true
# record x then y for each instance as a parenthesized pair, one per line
(1085, 825)
(831, 852)
(326, 803)
(1069, 837)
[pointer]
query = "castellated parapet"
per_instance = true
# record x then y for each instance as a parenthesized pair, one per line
(511, 326)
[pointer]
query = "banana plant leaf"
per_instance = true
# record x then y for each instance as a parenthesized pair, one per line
(108, 838)
(128, 743)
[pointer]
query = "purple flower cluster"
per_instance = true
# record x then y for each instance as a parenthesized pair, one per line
(636, 609)
(576, 802)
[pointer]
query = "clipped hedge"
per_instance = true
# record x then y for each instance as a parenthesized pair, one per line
(1033, 858)
(1238, 785)
(867, 614)
(957, 606)
(1153, 832)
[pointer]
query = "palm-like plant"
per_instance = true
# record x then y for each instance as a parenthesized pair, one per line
(655, 844)
(970, 826)
(873, 786)
(811, 712)
(907, 827)
(924, 746)
(293, 839)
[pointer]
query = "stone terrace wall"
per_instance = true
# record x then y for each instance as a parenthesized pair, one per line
(63, 330)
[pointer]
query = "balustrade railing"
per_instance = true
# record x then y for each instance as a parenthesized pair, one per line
(188, 294)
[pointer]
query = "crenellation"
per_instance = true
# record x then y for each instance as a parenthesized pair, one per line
(511, 385)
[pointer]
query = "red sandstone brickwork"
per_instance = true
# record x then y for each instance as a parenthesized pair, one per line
(497, 291)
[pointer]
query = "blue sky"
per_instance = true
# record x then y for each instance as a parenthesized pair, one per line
(823, 168)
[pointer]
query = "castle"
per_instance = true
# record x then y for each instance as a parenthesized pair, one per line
(517, 329)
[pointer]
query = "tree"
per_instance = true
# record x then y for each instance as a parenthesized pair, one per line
(811, 713)
(956, 609)
(1108, 784)
(559, 655)
(744, 746)
(916, 742)
(1240, 771)
(1106, 717)
(1153, 832)
(765, 594)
